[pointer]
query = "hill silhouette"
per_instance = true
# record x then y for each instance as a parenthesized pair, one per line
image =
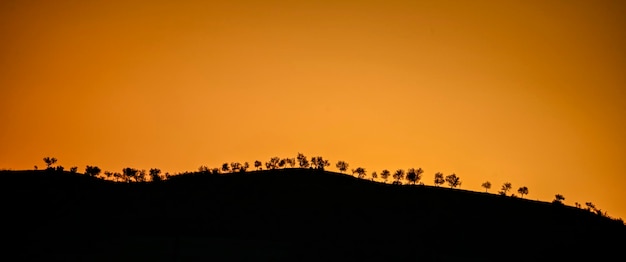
(287, 214)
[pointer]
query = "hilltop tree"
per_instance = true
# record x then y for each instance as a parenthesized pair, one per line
(244, 167)
(49, 161)
(523, 191)
(318, 162)
(130, 173)
(235, 166)
(486, 186)
(273, 163)
(342, 166)
(225, 167)
(590, 206)
(414, 175)
(291, 162)
(385, 174)
(374, 175)
(439, 180)
(398, 175)
(74, 169)
(257, 164)
(155, 174)
(59, 168)
(505, 188)
(204, 170)
(302, 160)
(282, 163)
(361, 172)
(453, 180)
(108, 174)
(92, 171)
(141, 176)
(558, 199)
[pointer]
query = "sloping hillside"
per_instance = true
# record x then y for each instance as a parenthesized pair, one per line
(288, 214)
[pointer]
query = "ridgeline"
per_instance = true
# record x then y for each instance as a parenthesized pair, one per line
(287, 214)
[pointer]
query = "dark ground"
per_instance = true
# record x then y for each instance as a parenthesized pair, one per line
(290, 214)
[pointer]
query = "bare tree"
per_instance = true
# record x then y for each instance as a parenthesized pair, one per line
(453, 180)
(486, 186)
(439, 180)
(342, 166)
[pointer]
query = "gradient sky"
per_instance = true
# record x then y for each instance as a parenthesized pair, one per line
(529, 92)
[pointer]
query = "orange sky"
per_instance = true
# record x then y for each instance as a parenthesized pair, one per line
(530, 92)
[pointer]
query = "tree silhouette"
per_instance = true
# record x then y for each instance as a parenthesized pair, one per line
(453, 180)
(225, 167)
(414, 175)
(385, 174)
(235, 166)
(49, 161)
(282, 163)
(318, 162)
(590, 206)
(244, 167)
(291, 162)
(523, 191)
(505, 188)
(141, 176)
(398, 175)
(257, 164)
(273, 163)
(558, 199)
(342, 166)
(374, 175)
(130, 173)
(108, 174)
(361, 172)
(204, 169)
(92, 171)
(74, 169)
(155, 174)
(486, 185)
(439, 180)
(59, 168)
(302, 161)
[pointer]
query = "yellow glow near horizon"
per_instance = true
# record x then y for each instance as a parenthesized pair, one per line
(529, 92)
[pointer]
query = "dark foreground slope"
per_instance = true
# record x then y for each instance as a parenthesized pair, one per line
(288, 214)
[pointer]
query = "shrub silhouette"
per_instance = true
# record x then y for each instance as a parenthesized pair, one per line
(302, 160)
(258, 164)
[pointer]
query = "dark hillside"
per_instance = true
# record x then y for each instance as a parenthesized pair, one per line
(290, 214)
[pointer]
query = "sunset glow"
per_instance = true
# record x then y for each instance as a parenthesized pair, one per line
(527, 92)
